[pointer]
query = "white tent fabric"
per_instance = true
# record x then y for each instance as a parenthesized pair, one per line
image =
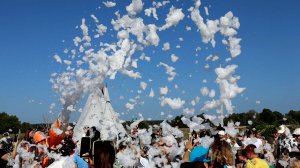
(98, 112)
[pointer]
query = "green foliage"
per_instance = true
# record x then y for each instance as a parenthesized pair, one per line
(25, 126)
(294, 116)
(243, 118)
(177, 122)
(9, 122)
(144, 125)
(267, 116)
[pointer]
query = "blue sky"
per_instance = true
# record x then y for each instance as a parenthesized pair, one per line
(33, 31)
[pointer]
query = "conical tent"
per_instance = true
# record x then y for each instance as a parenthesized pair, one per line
(98, 112)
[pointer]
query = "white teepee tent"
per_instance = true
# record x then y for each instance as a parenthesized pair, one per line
(98, 112)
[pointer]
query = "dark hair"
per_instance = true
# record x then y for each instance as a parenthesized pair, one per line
(196, 164)
(96, 136)
(250, 148)
(68, 146)
(241, 152)
(27, 137)
(104, 155)
(204, 133)
(274, 131)
(249, 133)
(220, 128)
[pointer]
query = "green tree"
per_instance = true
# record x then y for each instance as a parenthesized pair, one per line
(178, 122)
(9, 122)
(267, 116)
(25, 126)
(144, 125)
(294, 115)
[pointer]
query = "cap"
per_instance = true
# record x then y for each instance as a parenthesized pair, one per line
(282, 129)
(39, 136)
(296, 131)
(69, 128)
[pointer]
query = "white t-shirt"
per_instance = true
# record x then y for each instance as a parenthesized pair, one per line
(144, 163)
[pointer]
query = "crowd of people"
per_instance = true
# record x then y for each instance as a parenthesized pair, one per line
(158, 146)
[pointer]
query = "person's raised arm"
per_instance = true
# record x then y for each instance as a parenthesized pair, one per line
(189, 147)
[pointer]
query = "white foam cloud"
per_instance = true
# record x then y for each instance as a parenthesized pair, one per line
(174, 58)
(135, 7)
(152, 37)
(101, 29)
(207, 30)
(109, 4)
(169, 70)
(143, 85)
(212, 93)
(166, 46)
(173, 18)
(188, 111)
(151, 94)
(195, 124)
(206, 10)
(188, 28)
(67, 62)
(57, 58)
(212, 58)
(95, 18)
(151, 11)
(228, 85)
(234, 46)
(204, 91)
(163, 90)
(175, 103)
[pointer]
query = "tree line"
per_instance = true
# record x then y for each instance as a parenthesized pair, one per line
(12, 122)
(261, 120)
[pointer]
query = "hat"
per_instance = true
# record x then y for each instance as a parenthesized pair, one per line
(282, 129)
(39, 136)
(296, 131)
(221, 132)
(69, 128)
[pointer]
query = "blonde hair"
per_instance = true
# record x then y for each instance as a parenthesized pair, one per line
(222, 153)
(295, 163)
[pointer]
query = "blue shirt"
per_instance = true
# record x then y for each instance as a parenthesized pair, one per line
(80, 162)
(199, 154)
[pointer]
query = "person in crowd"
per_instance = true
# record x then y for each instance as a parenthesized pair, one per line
(22, 150)
(95, 134)
(295, 153)
(40, 140)
(241, 158)
(199, 153)
(104, 155)
(69, 132)
(253, 160)
(296, 135)
(29, 136)
(144, 162)
(274, 142)
(6, 154)
(194, 154)
(194, 165)
(86, 131)
(37, 160)
(267, 152)
(221, 154)
(283, 141)
(295, 163)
